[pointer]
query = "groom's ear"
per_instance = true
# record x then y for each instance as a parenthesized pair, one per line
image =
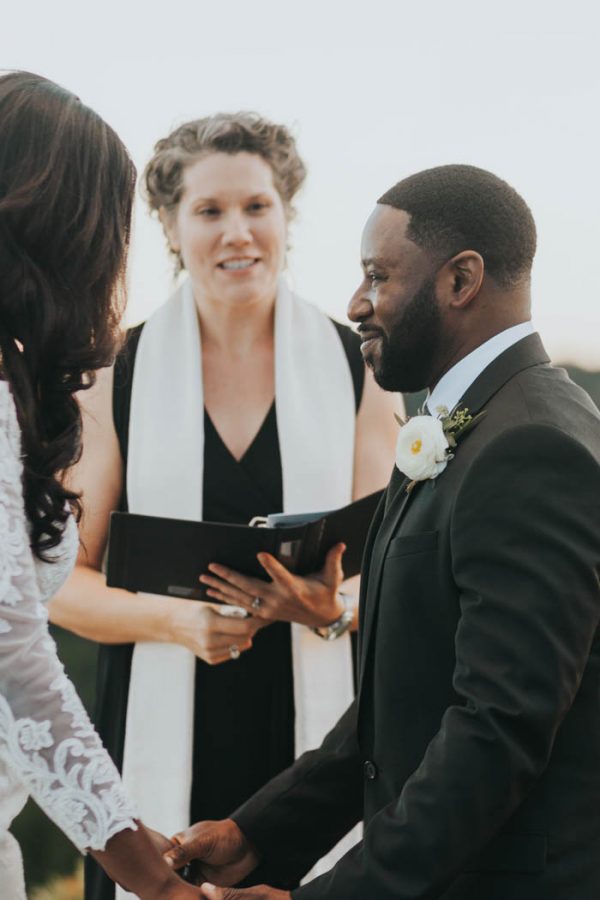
(459, 280)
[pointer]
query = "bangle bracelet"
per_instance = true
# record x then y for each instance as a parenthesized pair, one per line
(341, 625)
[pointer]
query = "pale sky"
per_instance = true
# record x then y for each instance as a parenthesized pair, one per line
(373, 91)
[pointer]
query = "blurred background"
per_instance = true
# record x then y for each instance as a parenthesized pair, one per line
(373, 92)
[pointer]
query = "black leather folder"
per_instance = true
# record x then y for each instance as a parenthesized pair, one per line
(166, 556)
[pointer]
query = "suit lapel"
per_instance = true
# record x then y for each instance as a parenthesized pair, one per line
(524, 354)
(367, 558)
(395, 509)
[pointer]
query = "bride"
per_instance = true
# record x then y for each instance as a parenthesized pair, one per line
(66, 187)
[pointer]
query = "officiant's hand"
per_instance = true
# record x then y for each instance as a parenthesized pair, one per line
(211, 636)
(224, 853)
(311, 600)
(260, 892)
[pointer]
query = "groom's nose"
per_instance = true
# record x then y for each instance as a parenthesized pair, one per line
(360, 306)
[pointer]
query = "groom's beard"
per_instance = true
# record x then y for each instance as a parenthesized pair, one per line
(408, 352)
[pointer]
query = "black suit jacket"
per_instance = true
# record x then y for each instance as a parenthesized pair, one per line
(473, 749)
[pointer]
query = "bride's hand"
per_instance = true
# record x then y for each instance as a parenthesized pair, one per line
(211, 636)
(311, 600)
(132, 859)
(162, 843)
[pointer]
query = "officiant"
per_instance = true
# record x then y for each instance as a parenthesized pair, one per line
(235, 399)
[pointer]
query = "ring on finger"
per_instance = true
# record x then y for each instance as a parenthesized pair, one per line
(257, 603)
(234, 651)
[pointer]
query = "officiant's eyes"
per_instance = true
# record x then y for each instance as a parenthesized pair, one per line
(255, 208)
(374, 277)
(259, 206)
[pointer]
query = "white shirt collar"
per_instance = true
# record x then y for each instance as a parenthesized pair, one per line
(453, 385)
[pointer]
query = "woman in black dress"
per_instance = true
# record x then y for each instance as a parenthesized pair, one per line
(223, 188)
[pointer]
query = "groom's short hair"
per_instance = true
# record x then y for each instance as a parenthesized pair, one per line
(458, 207)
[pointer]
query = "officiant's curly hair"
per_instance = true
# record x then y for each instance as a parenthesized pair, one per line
(66, 191)
(459, 207)
(241, 132)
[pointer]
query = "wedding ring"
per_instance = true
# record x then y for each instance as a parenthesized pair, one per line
(234, 651)
(256, 603)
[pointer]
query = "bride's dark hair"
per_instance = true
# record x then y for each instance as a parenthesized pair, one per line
(66, 191)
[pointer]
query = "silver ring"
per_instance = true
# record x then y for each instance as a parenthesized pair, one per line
(234, 651)
(256, 603)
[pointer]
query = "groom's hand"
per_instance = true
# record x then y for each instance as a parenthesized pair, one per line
(224, 853)
(310, 600)
(260, 892)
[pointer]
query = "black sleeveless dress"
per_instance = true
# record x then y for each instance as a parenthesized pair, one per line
(244, 723)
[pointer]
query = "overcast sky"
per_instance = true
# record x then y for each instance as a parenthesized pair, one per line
(373, 92)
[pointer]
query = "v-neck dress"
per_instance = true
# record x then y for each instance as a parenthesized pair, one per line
(244, 711)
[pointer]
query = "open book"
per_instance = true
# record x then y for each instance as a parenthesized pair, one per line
(166, 556)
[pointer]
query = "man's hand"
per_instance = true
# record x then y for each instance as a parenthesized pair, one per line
(260, 892)
(226, 856)
(310, 600)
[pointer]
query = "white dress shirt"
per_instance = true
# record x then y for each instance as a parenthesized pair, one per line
(453, 385)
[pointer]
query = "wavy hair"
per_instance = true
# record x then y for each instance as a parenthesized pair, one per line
(241, 132)
(66, 193)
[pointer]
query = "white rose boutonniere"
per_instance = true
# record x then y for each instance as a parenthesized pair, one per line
(422, 448)
(426, 443)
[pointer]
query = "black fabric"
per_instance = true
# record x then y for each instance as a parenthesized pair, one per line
(351, 343)
(244, 728)
(244, 725)
(475, 736)
(122, 384)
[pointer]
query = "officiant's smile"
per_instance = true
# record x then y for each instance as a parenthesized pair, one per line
(240, 266)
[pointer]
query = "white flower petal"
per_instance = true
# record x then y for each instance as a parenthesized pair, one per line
(421, 448)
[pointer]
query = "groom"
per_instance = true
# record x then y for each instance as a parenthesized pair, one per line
(473, 748)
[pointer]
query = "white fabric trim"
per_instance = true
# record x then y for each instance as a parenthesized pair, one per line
(316, 424)
(452, 387)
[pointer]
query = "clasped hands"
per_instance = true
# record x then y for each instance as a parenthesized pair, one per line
(225, 855)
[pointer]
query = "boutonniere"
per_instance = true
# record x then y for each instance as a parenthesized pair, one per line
(426, 444)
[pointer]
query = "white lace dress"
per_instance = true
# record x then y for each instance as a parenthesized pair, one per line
(48, 746)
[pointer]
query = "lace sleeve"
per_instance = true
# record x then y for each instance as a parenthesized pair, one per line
(46, 738)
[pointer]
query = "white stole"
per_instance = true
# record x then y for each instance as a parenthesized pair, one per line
(316, 423)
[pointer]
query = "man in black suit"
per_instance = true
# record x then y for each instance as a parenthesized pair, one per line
(473, 749)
